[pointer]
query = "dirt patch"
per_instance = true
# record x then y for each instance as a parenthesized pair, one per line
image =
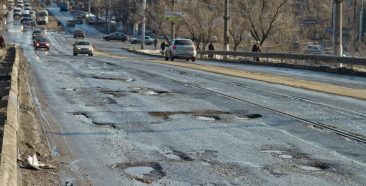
(32, 139)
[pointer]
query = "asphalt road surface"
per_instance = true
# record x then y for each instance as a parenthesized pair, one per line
(131, 120)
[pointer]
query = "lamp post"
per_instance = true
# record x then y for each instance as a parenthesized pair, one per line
(172, 23)
(337, 40)
(360, 32)
(143, 24)
(226, 19)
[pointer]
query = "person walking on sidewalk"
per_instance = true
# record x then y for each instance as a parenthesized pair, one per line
(256, 48)
(211, 48)
(162, 48)
(155, 43)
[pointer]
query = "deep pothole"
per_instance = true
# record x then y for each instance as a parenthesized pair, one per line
(146, 172)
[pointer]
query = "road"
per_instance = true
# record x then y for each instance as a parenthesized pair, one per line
(130, 119)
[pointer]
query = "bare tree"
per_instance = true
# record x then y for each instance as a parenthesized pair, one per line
(265, 16)
(202, 25)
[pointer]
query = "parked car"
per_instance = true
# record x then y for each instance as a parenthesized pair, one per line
(78, 19)
(82, 47)
(135, 40)
(313, 49)
(79, 34)
(116, 36)
(41, 42)
(182, 49)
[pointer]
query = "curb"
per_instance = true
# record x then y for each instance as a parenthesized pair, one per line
(8, 164)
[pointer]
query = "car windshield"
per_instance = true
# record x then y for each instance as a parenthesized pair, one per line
(82, 43)
(183, 42)
(42, 39)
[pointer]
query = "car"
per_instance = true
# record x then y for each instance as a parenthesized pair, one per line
(78, 19)
(135, 40)
(182, 49)
(82, 47)
(79, 34)
(41, 42)
(116, 36)
(313, 50)
(36, 33)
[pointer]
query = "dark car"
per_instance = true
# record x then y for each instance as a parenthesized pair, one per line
(79, 34)
(36, 33)
(116, 36)
(41, 42)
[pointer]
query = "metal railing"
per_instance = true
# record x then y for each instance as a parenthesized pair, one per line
(333, 62)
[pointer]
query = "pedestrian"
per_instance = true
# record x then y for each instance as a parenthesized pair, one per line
(256, 48)
(162, 47)
(155, 42)
(2, 42)
(211, 48)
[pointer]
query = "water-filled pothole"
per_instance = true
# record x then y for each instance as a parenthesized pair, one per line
(146, 172)
(207, 115)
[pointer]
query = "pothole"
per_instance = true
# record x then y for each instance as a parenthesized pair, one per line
(253, 116)
(111, 125)
(176, 155)
(315, 167)
(206, 115)
(113, 77)
(208, 118)
(148, 91)
(146, 172)
(82, 117)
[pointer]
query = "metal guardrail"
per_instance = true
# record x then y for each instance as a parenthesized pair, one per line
(281, 56)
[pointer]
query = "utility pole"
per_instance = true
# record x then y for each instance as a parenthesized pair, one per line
(89, 7)
(226, 19)
(172, 23)
(360, 32)
(143, 24)
(337, 36)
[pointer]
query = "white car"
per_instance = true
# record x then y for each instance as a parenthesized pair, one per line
(181, 49)
(82, 47)
(313, 49)
(135, 40)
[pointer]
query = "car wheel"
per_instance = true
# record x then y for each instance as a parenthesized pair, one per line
(171, 57)
(47, 48)
(187, 59)
(193, 59)
(134, 42)
(75, 54)
(35, 48)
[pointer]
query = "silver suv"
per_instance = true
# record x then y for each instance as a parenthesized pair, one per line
(181, 49)
(82, 47)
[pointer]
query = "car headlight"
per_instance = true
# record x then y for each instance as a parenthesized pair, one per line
(79, 48)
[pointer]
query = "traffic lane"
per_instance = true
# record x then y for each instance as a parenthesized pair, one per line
(113, 106)
(354, 106)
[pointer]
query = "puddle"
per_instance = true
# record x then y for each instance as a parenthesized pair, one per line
(139, 171)
(208, 118)
(146, 172)
(310, 168)
(206, 115)
(285, 156)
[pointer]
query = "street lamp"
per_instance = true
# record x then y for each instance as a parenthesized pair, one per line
(143, 24)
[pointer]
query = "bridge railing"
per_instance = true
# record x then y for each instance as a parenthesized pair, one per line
(355, 63)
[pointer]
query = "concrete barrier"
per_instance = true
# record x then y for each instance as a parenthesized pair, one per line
(8, 163)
